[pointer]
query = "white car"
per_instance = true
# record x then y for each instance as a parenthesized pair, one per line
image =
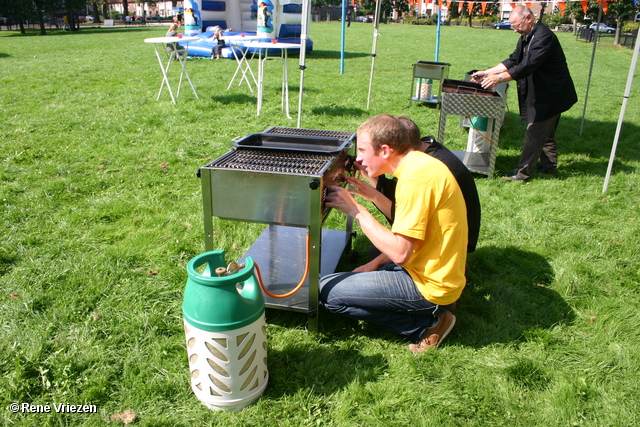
(603, 28)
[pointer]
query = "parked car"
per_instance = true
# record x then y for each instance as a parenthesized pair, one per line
(504, 25)
(603, 28)
(422, 20)
(364, 18)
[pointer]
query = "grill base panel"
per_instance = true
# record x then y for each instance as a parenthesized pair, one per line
(280, 254)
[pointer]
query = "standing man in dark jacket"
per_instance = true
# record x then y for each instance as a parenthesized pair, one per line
(545, 90)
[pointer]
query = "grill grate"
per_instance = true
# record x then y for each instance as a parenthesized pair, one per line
(274, 161)
(310, 132)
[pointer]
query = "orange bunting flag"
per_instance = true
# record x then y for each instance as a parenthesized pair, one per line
(439, 4)
(585, 6)
(449, 4)
(513, 5)
(605, 7)
(528, 5)
(561, 5)
(484, 7)
(460, 4)
(470, 8)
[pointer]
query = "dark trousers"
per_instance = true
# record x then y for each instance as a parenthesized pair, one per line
(539, 143)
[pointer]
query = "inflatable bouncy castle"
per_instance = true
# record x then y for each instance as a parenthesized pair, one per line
(273, 19)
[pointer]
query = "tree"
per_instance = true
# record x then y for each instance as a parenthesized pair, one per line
(401, 6)
(621, 10)
(17, 11)
(96, 10)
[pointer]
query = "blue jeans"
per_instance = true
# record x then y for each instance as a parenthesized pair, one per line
(387, 298)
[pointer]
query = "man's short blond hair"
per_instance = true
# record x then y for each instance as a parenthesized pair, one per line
(413, 132)
(384, 129)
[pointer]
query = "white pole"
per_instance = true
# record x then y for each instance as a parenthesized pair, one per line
(593, 55)
(303, 53)
(374, 47)
(627, 91)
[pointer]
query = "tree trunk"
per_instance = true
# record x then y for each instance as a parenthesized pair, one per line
(125, 7)
(544, 5)
(43, 30)
(96, 14)
(616, 39)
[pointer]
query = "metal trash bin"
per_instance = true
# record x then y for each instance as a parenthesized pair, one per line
(425, 76)
(225, 332)
(464, 98)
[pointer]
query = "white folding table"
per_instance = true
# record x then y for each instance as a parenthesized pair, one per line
(173, 55)
(263, 56)
(244, 64)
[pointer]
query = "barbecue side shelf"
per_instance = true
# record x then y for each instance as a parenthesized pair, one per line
(472, 105)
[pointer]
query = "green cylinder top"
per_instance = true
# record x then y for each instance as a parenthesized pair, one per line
(480, 123)
(224, 303)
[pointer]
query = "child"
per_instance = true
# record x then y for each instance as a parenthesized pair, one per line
(217, 35)
(173, 30)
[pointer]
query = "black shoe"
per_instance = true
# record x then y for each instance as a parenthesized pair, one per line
(513, 177)
(546, 171)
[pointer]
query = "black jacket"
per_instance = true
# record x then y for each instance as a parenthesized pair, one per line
(538, 64)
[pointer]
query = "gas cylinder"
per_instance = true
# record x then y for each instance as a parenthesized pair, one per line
(225, 332)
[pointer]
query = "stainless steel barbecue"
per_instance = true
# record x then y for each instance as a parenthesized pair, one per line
(280, 177)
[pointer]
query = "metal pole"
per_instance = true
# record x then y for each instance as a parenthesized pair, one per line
(627, 91)
(438, 37)
(376, 20)
(344, 16)
(303, 53)
(593, 55)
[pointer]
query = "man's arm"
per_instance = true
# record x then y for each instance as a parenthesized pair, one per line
(396, 247)
(492, 76)
(369, 193)
(373, 265)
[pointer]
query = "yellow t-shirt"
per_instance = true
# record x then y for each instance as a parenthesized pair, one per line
(430, 208)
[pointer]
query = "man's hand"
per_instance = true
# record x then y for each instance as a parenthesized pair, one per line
(479, 75)
(369, 193)
(366, 268)
(373, 180)
(373, 265)
(339, 198)
(363, 189)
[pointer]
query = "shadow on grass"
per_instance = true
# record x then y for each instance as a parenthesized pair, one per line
(335, 54)
(507, 298)
(31, 32)
(577, 155)
(320, 367)
(340, 111)
(325, 362)
(234, 99)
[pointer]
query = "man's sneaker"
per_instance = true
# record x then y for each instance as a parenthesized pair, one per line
(432, 337)
(546, 171)
(516, 178)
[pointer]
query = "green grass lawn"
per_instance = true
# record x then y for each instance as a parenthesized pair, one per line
(100, 211)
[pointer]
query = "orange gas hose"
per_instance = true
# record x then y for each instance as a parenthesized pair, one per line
(297, 288)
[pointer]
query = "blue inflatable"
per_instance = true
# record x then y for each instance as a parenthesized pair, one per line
(204, 46)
